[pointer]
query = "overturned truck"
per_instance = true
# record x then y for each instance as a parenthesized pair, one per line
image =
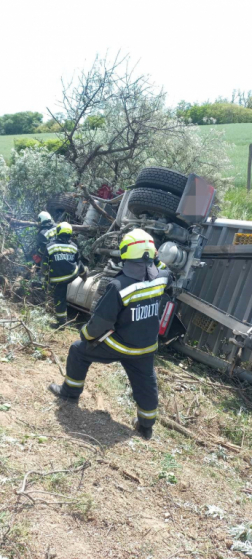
(207, 313)
(172, 208)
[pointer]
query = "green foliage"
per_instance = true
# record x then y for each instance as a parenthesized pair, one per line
(58, 482)
(193, 152)
(7, 142)
(235, 423)
(4, 172)
(55, 144)
(23, 143)
(14, 537)
(237, 137)
(94, 122)
(52, 144)
(81, 508)
(169, 464)
(215, 113)
(20, 123)
(35, 174)
(55, 124)
(238, 204)
(49, 126)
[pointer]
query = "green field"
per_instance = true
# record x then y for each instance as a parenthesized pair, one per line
(7, 142)
(239, 136)
(238, 202)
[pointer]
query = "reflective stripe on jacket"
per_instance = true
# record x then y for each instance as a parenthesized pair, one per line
(131, 309)
(45, 236)
(61, 262)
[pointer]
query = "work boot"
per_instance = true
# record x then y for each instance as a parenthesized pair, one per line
(59, 391)
(145, 432)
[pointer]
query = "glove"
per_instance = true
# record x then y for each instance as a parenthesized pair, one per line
(83, 274)
(36, 258)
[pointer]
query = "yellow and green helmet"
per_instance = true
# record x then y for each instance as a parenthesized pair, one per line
(137, 244)
(64, 228)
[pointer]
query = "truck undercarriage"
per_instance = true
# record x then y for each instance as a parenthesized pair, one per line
(170, 207)
(175, 210)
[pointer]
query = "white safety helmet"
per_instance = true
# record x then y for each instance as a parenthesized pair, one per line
(44, 216)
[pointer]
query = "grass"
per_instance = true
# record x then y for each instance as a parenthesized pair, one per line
(7, 142)
(14, 537)
(101, 512)
(238, 202)
(238, 136)
(169, 464)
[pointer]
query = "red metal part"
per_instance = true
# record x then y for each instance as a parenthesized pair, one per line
(166, 317)
(105, 192)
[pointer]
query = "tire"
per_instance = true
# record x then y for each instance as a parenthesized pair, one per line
(62, 202)
(151, 201)
(163, 179)
(104, 281)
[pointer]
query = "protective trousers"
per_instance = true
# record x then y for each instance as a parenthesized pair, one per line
(60, 302)
(139, 369)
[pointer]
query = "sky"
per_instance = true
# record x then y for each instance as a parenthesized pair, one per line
(196, 49)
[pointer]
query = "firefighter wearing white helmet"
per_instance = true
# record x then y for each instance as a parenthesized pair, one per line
(47, 232)
(124, 328)
(61, 265)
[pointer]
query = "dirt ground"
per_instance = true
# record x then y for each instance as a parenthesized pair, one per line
(107, 492)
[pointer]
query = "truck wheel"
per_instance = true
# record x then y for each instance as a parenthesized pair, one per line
(101, 288)
(163, 179)
(104, 281)
(62, 202)
(150, 201)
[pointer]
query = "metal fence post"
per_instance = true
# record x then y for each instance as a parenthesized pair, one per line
(249, 168)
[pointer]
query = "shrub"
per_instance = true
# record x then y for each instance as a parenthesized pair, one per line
(53, 145)
(192, 152)
(220, 113)
(23, 143)
(35, 174)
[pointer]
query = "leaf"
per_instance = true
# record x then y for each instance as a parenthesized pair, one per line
(5, 407)
(42, 439)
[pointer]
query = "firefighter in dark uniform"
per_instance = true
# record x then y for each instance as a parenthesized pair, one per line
(46, 233)
(61, 265)
(127, 319)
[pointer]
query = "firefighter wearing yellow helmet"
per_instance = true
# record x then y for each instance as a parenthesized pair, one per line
(124, 328)
(61, 265)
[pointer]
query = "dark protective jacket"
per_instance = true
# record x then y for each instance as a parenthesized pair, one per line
(61, 262)
(130, 308)
(46, 234)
